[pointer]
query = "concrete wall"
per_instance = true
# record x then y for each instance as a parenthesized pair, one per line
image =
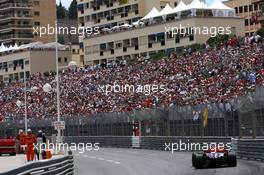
(44, 61)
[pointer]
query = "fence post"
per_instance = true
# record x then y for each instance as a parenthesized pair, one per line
(226, 125)
(254, 126)
(239, 125)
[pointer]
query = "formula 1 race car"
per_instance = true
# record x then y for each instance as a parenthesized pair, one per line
(214, 157)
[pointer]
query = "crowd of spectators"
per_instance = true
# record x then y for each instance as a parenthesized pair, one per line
(196, 77)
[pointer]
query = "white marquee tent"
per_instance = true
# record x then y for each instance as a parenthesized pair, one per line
(196, 5)
(35, 45)
(152, 14)
(217, 7)
(167, 10)
(179, 8)
(220, 9)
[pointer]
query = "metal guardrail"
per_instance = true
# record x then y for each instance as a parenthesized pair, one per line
(249, 148)
(58, 166)
(142, 142)
(104, 141)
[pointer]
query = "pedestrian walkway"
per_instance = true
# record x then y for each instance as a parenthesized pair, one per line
(11, 162)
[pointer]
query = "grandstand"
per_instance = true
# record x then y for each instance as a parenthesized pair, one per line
(210, 75)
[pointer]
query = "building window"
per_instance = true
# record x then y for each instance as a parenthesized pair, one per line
(36, 3)
(246, 22)
(59, 59)
(256, 7)
(175, 4)
(250, 8)
(37, 23)
(36, 13)
(251, 22)
(65, 59)
(240, 9)
(245, 8)
(236, 10)
(191, 37)
(177, 39)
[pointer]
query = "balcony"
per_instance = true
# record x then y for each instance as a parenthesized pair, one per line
(255, 1)
(16, 26)
(16, 16)
(16, 37)
(16, 5)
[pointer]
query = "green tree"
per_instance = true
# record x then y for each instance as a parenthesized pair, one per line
(261, 32)
(73, 10)
(213, 41)
(61, 11)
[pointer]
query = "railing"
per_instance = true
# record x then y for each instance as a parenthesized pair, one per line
(9, 37)
(249, 148)
(16, 16)
(24, 26)
(104, 141)
(10, 5)
(64, 165)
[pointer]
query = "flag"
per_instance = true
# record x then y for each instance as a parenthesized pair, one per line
(205, 117)
(196, 115)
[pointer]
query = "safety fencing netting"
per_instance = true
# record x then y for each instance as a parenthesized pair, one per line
(243, 116)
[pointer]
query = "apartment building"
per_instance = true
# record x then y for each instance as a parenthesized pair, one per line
(75, 50)
(145, 40)
(18, 17)
(37, 60)
(246, 9)
(110, 13)
(44, 14)
(150, 40)
(260, 13)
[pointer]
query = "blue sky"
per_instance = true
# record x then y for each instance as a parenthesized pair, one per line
(67, 3)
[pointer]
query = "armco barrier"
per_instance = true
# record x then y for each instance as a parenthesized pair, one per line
(104, 141)
(249, 148)
(159, 143)
(144, 142)
(57, 166)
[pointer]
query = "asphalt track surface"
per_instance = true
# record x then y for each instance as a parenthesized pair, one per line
(110, 161)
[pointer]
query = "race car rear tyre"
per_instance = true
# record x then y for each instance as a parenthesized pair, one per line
(231, 160)
(198, 162)
(193, 159)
